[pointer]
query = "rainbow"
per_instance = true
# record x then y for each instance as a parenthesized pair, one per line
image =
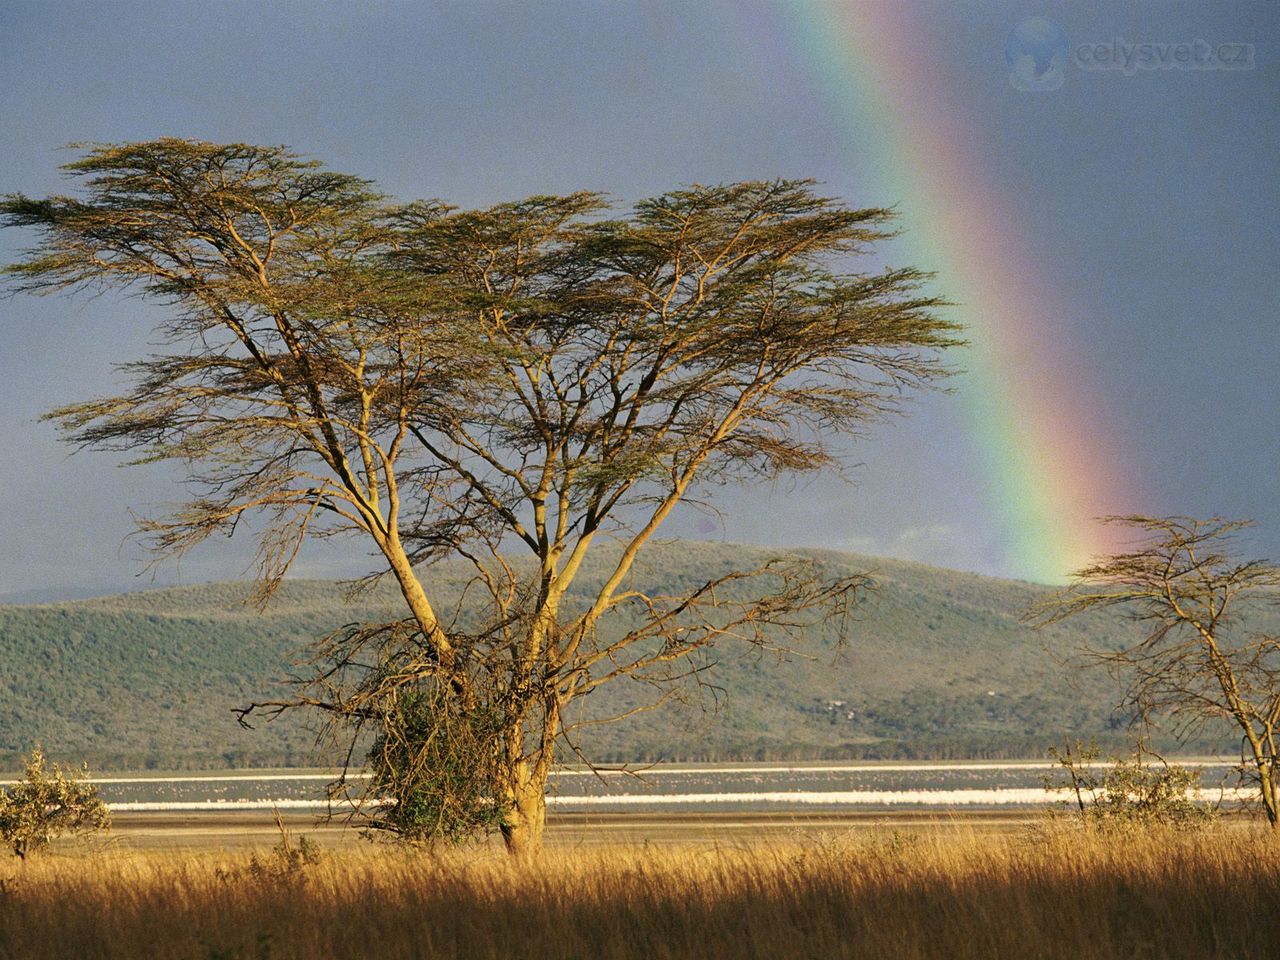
(1040, 439)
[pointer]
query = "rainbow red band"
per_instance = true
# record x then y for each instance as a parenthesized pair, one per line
(1040, 438)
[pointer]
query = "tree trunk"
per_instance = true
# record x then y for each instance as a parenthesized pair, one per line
(526, 812)
(1270, 802)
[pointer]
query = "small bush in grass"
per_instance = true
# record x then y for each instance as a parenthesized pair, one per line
(1129, 791)
(46, 803)
(286, 863)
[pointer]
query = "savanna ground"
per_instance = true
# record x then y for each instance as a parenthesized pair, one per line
(877, 890)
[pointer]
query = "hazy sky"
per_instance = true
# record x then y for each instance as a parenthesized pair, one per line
(1145, 201)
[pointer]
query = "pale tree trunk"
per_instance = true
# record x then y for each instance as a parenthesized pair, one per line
(1270, 800)
(525, 790)
(1262, 747)
(526, 810)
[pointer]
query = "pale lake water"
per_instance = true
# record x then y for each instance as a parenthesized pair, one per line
(674, 787)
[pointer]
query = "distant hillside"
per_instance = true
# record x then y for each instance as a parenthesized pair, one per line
(938, 666)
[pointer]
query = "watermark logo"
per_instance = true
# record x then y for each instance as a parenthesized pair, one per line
(1037, 53)
(1129, 57)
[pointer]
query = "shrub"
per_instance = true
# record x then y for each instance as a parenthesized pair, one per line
(1129, 791)
(286, 862)
(434, 768)
(46, 803)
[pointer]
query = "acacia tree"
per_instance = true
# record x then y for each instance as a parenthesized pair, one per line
(46, 803)
(540, 377)
(1197, 662)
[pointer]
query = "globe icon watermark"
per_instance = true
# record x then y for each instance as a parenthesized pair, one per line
(1036, 52)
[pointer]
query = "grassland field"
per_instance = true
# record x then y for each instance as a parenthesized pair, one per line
(908, 887)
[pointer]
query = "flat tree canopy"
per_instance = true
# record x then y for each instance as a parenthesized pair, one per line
(543, 377)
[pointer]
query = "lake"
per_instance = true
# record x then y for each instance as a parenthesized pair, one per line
(668, 787)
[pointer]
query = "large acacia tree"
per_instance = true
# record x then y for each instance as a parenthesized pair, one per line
(537, 378)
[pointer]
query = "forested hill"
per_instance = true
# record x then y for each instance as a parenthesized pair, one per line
(938, 665)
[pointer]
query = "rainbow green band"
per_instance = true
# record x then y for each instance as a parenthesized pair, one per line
(1039, 443)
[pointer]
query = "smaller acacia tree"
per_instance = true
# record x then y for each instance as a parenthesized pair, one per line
(47, 803)
(1197, 663)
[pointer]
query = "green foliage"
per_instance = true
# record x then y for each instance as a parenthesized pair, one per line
(1127, 792)
(47, 803)
(434, 768)
(149, 679)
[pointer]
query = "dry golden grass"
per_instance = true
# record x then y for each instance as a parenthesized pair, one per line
(1052, 894)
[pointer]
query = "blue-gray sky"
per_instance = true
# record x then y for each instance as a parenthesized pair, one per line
(1148, 201)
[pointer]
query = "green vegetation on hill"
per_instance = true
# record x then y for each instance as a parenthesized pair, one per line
(937, 665)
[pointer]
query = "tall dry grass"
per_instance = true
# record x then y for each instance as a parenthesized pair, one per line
(1052, 894)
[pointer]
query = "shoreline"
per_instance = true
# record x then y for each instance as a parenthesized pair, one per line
(229, 831)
